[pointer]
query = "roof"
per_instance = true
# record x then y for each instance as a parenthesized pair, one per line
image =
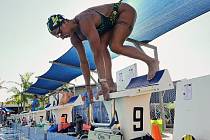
(154, 19)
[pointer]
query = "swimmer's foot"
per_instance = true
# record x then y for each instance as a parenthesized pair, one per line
(104, 91)
(153, 67)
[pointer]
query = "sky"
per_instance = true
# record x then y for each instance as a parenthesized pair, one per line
(27, 46)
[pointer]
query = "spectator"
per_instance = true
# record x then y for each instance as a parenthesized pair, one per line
(35, 103)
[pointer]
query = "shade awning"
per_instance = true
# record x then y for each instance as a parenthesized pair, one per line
(155, 17)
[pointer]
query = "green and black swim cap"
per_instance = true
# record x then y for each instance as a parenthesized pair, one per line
(54, 22)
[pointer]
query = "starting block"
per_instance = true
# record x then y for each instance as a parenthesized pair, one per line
(65, 109)
(132, 105)
(192, 108)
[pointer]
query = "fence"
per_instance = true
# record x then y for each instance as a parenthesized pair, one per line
(155, 113)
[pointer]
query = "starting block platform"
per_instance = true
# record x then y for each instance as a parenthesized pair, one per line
(140, 85)
(192, 108)
(132, 105)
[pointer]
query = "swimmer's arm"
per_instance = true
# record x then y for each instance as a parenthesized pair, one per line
(77, 43)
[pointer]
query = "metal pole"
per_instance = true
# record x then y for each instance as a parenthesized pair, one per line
(29, 132)
(162, 113)
(45, 136)
(161, 95)
(21, 102)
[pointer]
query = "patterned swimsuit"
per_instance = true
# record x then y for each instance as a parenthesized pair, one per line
(107, 23)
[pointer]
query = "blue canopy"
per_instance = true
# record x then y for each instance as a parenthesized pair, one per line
(154, 18)
(6, 109)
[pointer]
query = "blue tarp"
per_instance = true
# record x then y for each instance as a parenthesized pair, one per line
(154, 18)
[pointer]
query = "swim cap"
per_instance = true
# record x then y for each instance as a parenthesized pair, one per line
(54, 22)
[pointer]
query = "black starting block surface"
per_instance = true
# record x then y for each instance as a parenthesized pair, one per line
(142, 81)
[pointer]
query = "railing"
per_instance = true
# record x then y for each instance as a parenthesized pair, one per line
(36, 133)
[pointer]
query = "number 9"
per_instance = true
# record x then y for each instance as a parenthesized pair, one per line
(138, 118)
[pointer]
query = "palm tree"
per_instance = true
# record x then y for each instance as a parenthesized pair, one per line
(20, 97)
(25, 84)
(16, 98)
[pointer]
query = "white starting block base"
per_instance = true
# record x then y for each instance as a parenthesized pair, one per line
(134, 115)
(65, 109)
(192, 108)
(37, 114)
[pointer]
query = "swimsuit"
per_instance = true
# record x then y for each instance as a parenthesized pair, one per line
(107, 23)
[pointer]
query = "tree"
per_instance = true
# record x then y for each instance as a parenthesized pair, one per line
(20, 97)
(16, 98)
(25, 84)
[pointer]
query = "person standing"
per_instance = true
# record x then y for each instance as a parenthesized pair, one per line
(103, 26)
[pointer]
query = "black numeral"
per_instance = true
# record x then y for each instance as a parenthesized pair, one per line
(138, 119)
